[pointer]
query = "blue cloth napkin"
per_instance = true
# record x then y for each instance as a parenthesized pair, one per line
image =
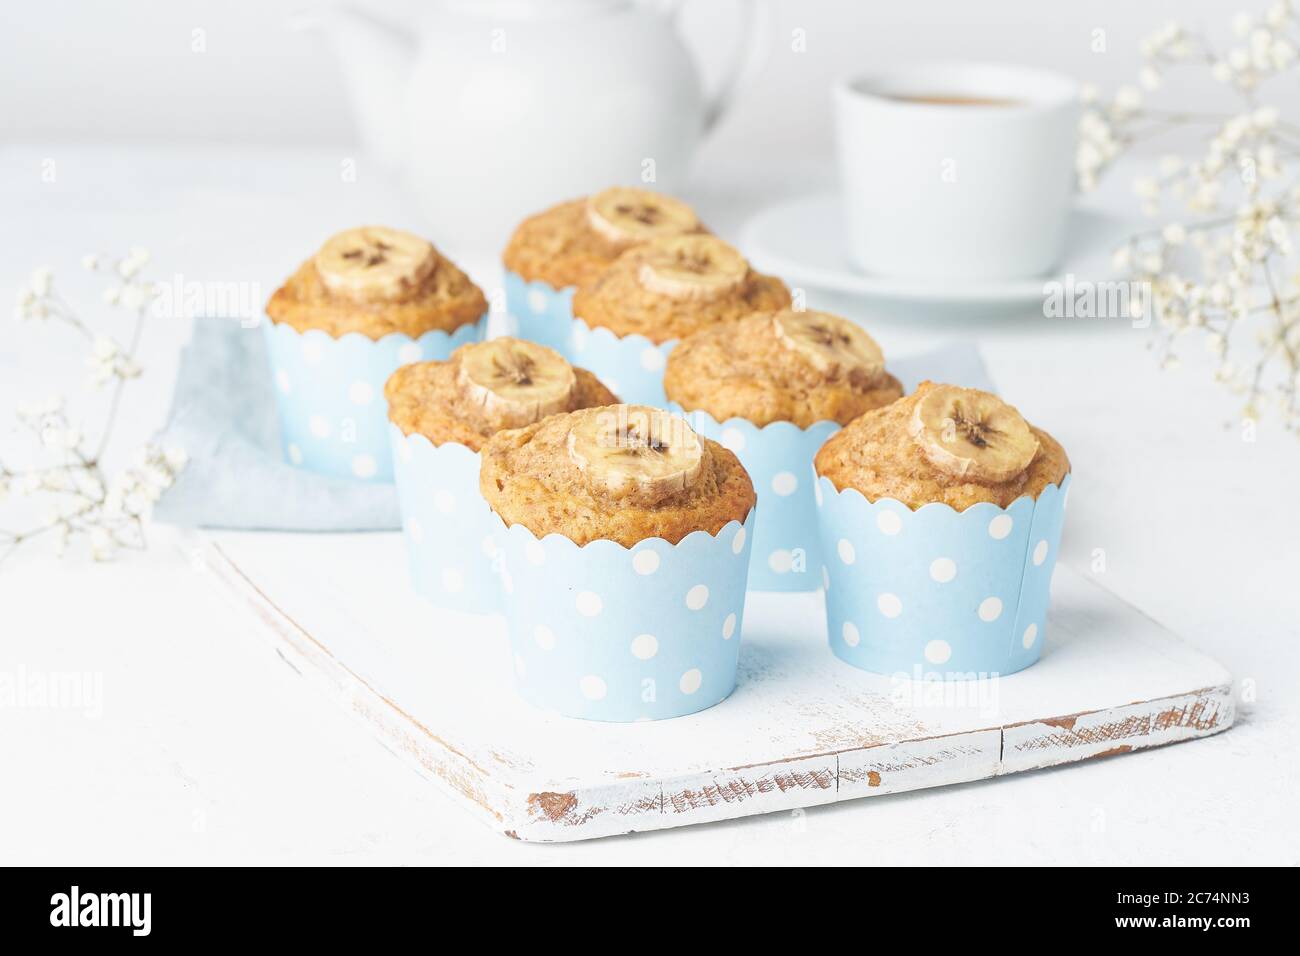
(223, 414)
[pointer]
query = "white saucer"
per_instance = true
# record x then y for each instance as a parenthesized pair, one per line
(802, 241)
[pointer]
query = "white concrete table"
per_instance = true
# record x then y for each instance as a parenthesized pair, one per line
(208, 748)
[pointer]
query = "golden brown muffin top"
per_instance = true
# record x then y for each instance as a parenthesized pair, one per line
(573, 242)
(375, 281)
(561, 476)
(889, 453)
(767, 367)
(441, 401)
(670, 288)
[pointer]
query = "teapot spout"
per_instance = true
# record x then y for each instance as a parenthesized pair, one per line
(376, 58)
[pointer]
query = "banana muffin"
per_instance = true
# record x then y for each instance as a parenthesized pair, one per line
(571, 243)
(375, 280)
(773, 386)
(623, 473)
(958, 446)
(370, 300)
(800, 367)
(487, 386)
(624, 550)
(939, 518)
(669, 288)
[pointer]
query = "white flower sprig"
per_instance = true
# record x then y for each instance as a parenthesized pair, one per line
(81, 503)
(1229, 273)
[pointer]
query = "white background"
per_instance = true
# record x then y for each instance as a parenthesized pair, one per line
(92, 71)
(211, 750)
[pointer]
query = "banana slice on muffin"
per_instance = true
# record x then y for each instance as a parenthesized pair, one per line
(625, 216)
(622, 473)
(958, 446)
(694, 268)
(967, 433)
(485, 387)
(800, 367)
(514, 381)
(376, 280)
(832, 344)
(572, 242)
(375, 262)
(668, 288)
(635, 452)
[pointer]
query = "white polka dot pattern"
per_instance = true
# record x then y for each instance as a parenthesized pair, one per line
(943, 570)
(733, 439)
(697, 597)
(541, 314)
(990, 609)
(889, 604)
(447, 523)
(889, 522)
(319, 426)
(646, 562)
(329, 394)
(589, 603)
(691, 681)
(787, 553)
(608, 633)
(780, 561)
(633, 361)
(360, 393)
(784, 483)
(963, 594)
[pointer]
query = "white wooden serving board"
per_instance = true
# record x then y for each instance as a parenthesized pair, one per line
(801, 729)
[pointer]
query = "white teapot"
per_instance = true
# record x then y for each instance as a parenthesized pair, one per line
(501, 108)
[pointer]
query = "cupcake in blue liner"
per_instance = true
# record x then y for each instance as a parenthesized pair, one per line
(773, 387)
(625, 546)
(940, 519)
(628, 319)
(555, 251)
(440, 415)
(370, 300)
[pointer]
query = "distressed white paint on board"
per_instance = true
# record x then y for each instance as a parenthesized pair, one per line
(802, 728)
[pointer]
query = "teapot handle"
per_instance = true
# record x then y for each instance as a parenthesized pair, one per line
(746, 57)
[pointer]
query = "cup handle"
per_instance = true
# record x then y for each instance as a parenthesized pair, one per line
(748, 55)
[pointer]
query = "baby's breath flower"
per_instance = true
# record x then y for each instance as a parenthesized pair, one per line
(1128, 99)
(106, 515)
(1146, 187)
(101, 544)
(42, 280)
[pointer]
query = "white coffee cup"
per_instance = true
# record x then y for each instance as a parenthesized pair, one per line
(978, 186)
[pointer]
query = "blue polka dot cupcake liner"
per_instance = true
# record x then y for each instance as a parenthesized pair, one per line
(330, 393)
(787, 549)
(542, 313)
(449, 529)
(604, 632)
(631, 366)
(937, 593)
